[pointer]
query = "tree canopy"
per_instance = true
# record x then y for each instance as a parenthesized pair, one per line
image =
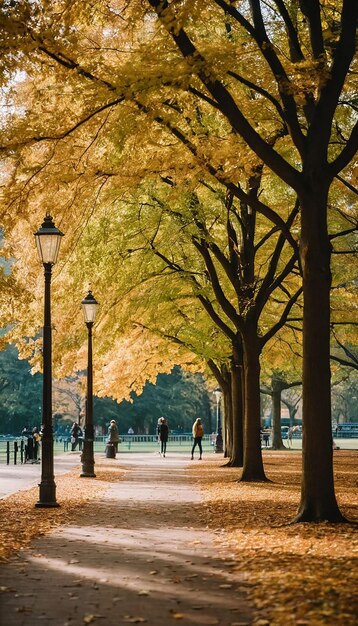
(201, 165)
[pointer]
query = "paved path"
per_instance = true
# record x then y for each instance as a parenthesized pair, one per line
(138, 555)
(14, 478)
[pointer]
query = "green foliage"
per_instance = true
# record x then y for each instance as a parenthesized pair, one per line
(20, 393)
(178, 396)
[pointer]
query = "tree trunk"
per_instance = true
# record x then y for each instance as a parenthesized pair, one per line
(318, 500)
(277, 443)
(226, 415)
(253, 470)
(237, 452)
(227, 429)
(292, 411)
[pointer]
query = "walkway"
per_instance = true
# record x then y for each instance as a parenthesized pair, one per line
(139, 555)
(15, 478)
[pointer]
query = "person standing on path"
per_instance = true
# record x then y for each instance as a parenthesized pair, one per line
(37, 440)
(266, 437)
(198, 433)
(130, 433)
(113, 434)
(163, 432)
(289, 437)
(29, 444)
(76, 433)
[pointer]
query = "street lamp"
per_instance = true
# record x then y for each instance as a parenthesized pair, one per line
(48, 239)
(219, 437)
(89, 307)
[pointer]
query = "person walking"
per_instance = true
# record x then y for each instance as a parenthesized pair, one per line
(130, 433)
(76, 432)
(113, 434)
(29, 444)
(37, 439)
(289, 436)
(163, 433)
(198, 432)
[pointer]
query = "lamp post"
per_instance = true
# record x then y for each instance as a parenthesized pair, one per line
(219, 437)
(89, 307)
(48, 239)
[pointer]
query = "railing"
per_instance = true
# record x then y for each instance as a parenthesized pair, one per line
(149, 443)
(12, 451)
(153, 438)
(346, 433)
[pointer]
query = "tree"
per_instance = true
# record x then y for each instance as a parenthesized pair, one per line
(292, 402)
(69, 397)
(179, 396)
(345, 399)
(279, 383)
(20, 393)
(239, 272)
(308, 114)
(301, 96)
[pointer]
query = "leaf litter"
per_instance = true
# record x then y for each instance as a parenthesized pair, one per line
(20, 521)
(303, 574)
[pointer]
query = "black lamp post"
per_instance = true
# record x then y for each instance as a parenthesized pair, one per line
(48, 239)
(219, 437)
(89, 307)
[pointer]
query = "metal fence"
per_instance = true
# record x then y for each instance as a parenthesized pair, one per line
(13, 450)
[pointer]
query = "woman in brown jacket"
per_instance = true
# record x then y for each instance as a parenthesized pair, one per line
(198, 432)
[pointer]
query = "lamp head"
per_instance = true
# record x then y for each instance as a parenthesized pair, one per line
(89, 308)
(48, 239)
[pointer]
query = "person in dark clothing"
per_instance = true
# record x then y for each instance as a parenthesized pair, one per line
(113, 434)
(29, 444)
(76, 432)
(266, 437)
(36, 443)
(163, 432)
(158, 429)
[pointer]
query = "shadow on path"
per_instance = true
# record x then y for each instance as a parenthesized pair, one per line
(138, 555)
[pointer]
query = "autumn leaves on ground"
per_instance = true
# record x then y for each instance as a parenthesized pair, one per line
(295, 574)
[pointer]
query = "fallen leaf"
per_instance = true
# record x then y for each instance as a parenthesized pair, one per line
(88, 619)
(23, 609)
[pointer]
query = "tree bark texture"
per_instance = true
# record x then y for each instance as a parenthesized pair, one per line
(253, 469)
(237, 452)
(318, 500)
(277, 443)
(227, 424)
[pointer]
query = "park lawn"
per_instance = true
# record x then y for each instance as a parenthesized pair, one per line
(301, 574)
